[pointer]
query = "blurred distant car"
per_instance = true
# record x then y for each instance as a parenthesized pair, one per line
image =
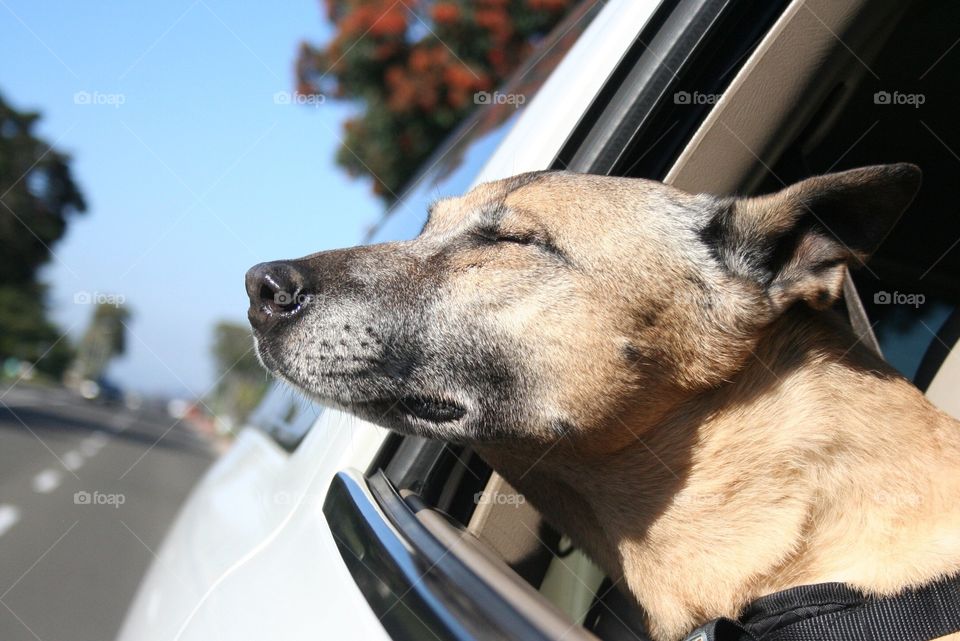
(101, 390)
(333, 529)
(109, 392)
(15, 368)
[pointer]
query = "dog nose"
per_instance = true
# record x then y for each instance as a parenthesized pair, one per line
(276, 290)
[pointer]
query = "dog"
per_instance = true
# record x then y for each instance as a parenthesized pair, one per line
(656, 371)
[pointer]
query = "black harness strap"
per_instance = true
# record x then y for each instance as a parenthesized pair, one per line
(836, 612)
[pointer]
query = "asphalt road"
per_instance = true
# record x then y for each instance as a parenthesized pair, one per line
(87, 493)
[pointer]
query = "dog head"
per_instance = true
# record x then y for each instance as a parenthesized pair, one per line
(553, 302)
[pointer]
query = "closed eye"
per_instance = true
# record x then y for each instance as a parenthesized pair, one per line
(492, 235)
(497, 236)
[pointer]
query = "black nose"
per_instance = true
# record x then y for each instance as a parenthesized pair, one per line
(276, 290)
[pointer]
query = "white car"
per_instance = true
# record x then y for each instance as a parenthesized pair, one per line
(316, 525)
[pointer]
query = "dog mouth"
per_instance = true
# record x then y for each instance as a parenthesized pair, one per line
(411, 408)
(433, 410)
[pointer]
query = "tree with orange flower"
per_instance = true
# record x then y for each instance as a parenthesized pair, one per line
(414, 67)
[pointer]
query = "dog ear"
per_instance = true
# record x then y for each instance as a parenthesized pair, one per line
(799, 241)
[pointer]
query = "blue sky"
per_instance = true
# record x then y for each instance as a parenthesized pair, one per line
(192, 169)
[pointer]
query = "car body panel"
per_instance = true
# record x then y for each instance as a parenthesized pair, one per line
(251, 556)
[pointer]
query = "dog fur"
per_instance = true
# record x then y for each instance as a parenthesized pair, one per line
(654, 370)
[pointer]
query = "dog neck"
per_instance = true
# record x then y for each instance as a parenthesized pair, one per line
(816, 463)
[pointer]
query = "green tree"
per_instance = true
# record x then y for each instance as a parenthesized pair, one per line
(414, 69)
(37, 196)
(241, 381)
(26, 334)
(104, 340)
(37, 199)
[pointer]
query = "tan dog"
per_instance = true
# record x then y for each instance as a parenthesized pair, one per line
(648, 368)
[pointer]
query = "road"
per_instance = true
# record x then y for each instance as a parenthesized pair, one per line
(87, 493)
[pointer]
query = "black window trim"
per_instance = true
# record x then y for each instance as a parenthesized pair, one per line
(637, 111)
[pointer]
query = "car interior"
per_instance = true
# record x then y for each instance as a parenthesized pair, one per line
(807, 88)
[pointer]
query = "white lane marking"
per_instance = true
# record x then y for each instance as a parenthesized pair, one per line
(9, 515)
(72, 460)
(122, 422)
(46, 481)
(93, 443)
